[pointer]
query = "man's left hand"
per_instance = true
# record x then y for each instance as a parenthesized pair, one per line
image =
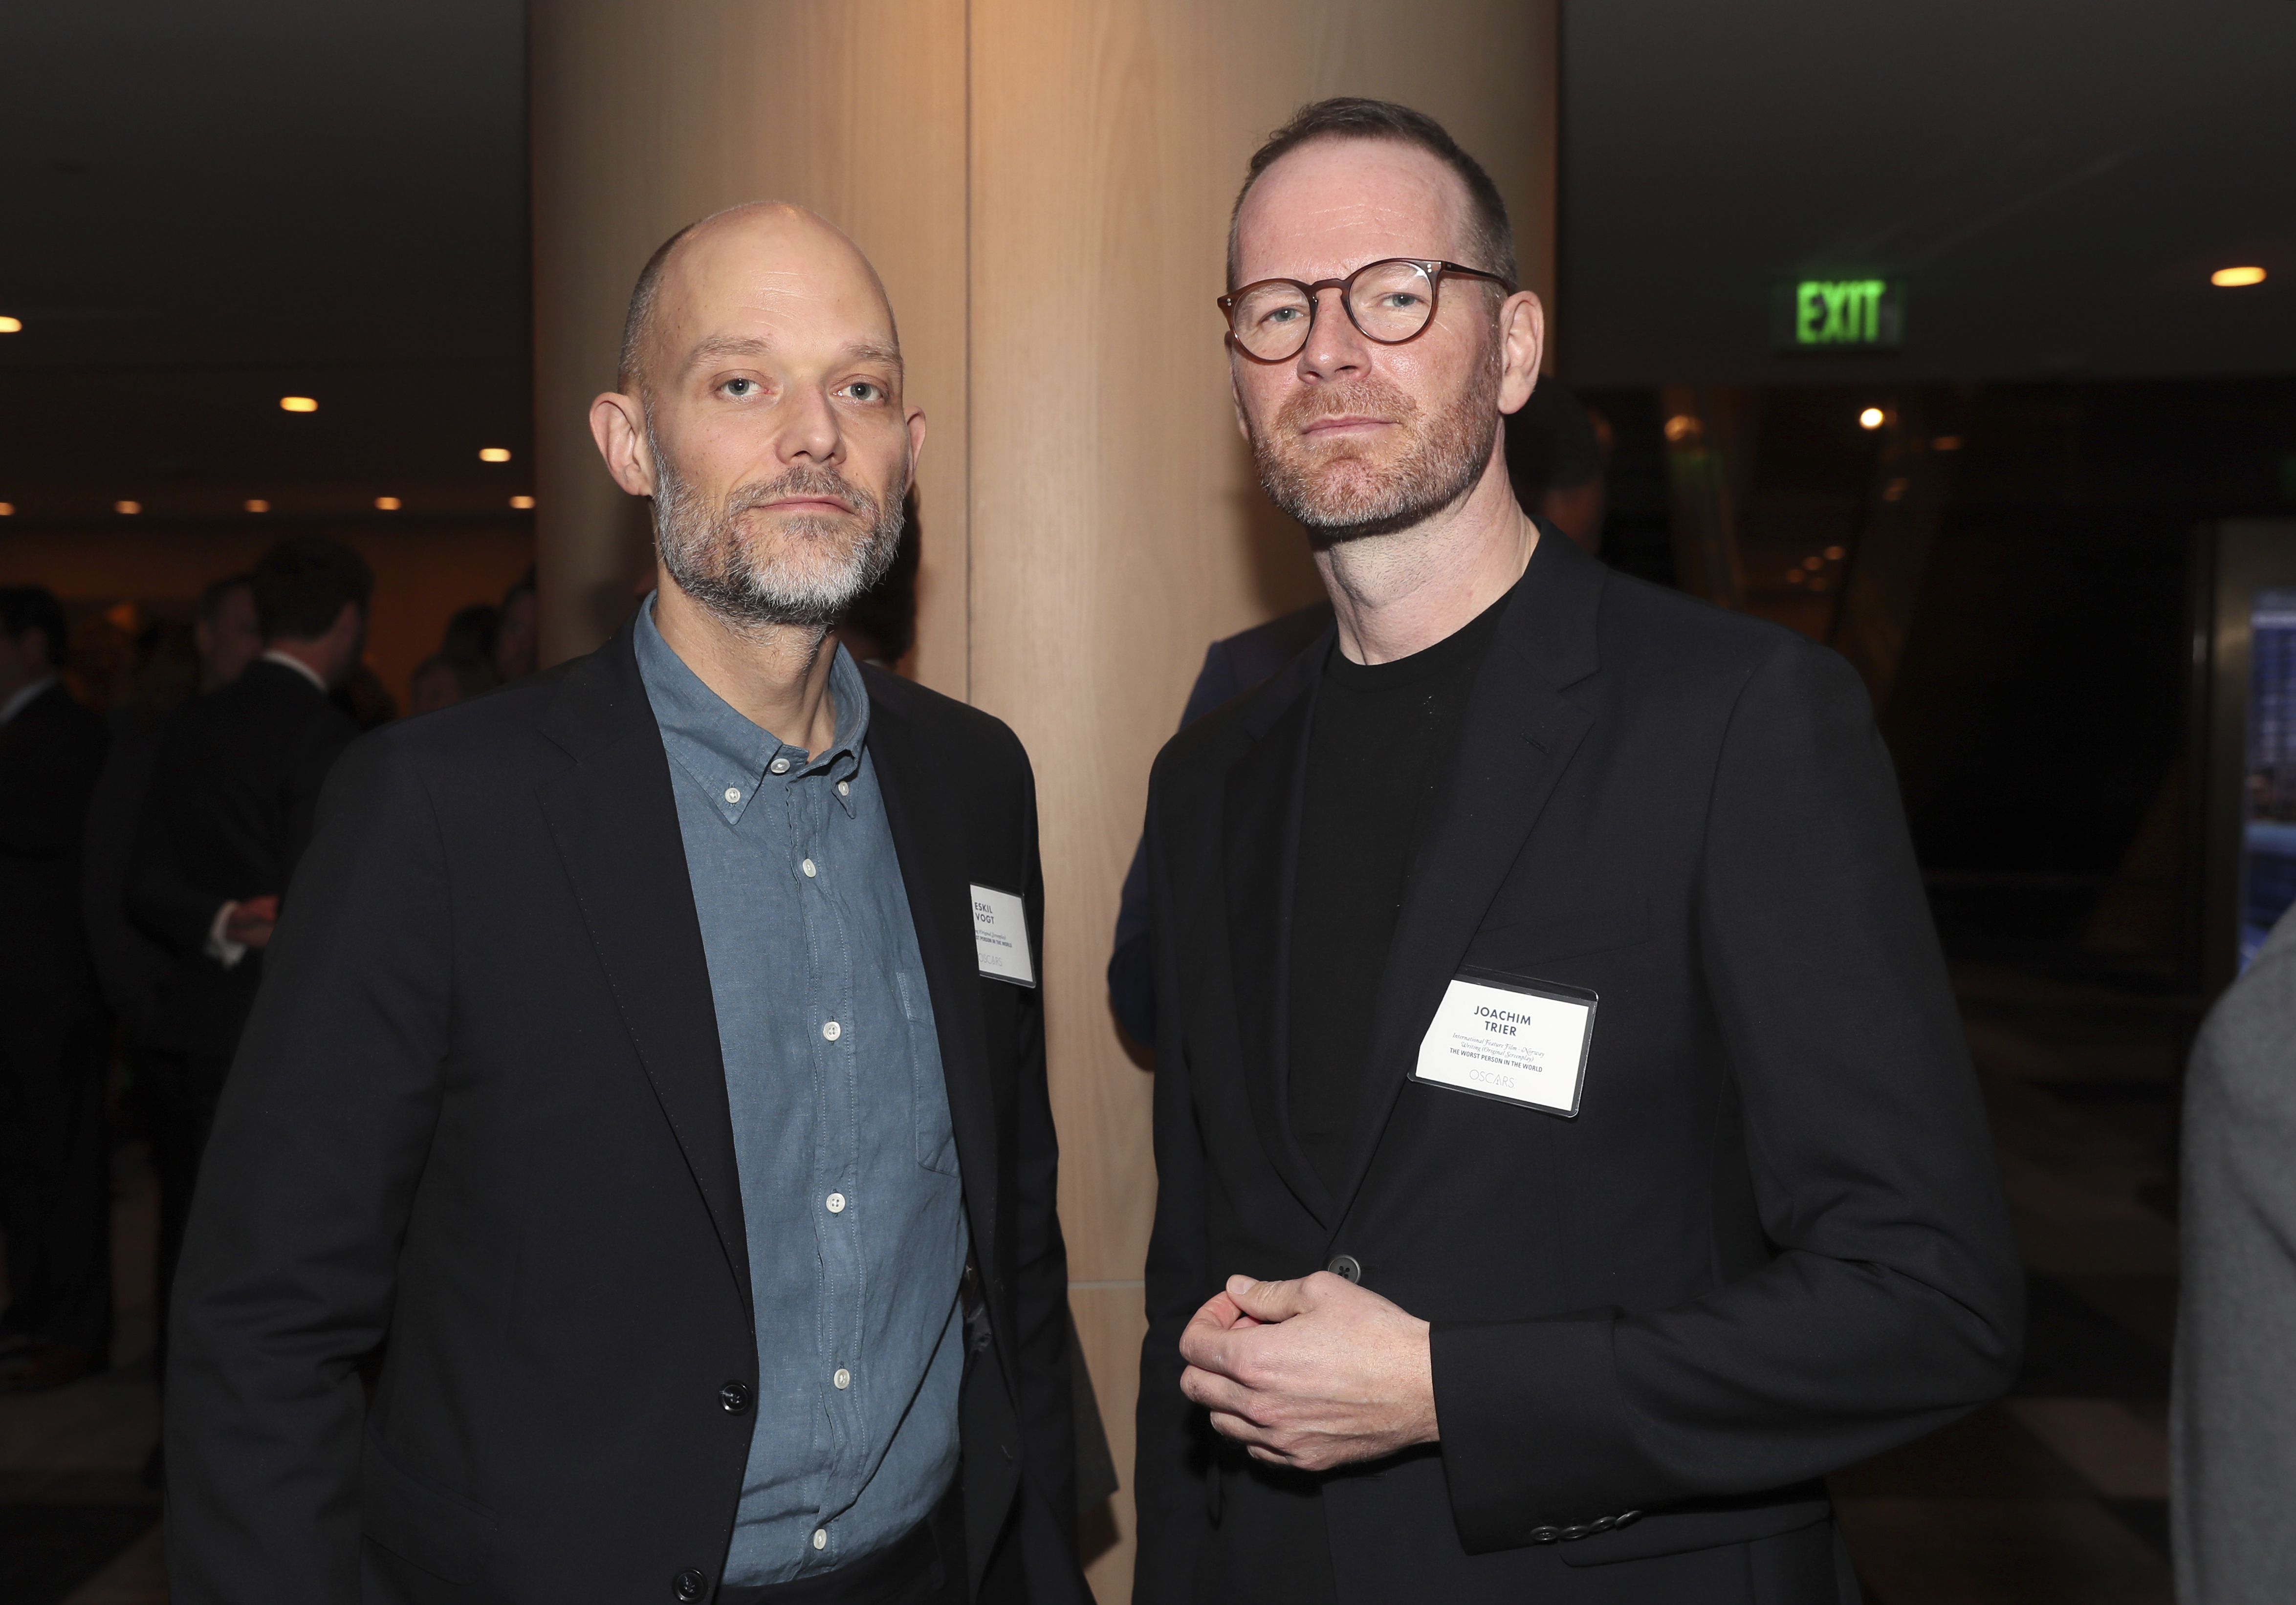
(1313, 1374)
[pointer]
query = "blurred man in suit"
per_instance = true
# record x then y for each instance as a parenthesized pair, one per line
(237, 778)
(134, 965)
(2232, 1411)
(1567, 1150)
(637, 1058)
(55, 1202)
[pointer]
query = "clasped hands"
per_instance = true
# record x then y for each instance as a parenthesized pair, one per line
(1313, 1374)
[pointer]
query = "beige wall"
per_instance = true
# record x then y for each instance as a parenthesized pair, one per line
(1043, 185)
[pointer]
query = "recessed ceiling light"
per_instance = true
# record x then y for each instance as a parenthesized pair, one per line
(298, 404)
(1682, 426)
(2232, 278)
(11, 325)
(521, 502)
(1835, 555)
(127, 507)
(7, 510)
(257, 504)
(1870, 419)
(387, 504)
(494, 454)
(1945, 442)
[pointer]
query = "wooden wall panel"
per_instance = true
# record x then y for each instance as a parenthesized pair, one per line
(1044, 186)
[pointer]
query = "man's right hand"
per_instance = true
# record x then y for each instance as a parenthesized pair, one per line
(250, 923)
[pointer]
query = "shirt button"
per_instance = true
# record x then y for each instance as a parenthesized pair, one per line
(733, 794)
(837, 1203)
(832, 1031)
(843, 1378)
(821, 1537)
(844, 788)
(810, 870)
(780, 766)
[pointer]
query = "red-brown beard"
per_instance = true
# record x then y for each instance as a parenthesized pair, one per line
(1351, 488)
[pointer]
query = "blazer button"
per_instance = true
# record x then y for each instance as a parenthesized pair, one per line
(689, 1584)
(735, 1397)
(1347, 1266)
(1545, 1534)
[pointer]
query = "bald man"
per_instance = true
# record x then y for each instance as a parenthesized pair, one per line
(651, 1075)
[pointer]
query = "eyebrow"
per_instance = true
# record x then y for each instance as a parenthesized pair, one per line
(719, 346)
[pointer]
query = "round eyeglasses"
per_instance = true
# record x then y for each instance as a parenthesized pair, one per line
(1389, 301)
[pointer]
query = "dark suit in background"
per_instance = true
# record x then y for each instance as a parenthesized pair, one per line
(482, 1109)
(236, 776)
(1770, 1243)
(55, 1199)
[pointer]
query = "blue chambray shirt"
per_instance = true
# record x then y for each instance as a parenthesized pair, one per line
(850, 1188)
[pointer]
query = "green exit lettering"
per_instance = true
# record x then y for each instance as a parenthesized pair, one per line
(1838, 311)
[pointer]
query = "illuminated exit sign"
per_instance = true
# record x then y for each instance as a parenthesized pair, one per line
(1839, 314)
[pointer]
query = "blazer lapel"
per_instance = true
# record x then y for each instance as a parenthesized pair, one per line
(929, 841)
(1260, 842)
(615, 821)
(1517, 738)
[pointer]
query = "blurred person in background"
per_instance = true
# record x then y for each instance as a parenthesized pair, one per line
(445, 678)
(55, 1199)
(518, 633)
(236, 790)
(1556, 456)
(473, 631)
(133, 965)
(2232, 1410)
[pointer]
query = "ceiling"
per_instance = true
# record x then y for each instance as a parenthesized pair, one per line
(2053, 180)
(203, 208)
(206, 208)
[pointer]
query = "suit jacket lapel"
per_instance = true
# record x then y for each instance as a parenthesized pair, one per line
(1260, 842)
(930, 842)
(615, 821)
(1517, 738)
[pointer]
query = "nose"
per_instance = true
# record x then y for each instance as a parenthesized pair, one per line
(1335, 346)
(810, 430)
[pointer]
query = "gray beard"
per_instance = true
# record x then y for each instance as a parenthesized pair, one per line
(815, 573)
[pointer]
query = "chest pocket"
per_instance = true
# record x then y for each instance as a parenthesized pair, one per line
(936, 1137)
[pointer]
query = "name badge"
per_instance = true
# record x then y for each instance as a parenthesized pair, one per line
(1000, 936)
(1519, 1042)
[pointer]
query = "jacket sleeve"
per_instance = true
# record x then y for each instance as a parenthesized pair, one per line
(1047, 1405)
(161, 896)
(287, 1272)
(1893, 1302)
(1172, 1457)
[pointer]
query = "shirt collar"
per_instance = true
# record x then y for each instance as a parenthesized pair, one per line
(24, 696)
(284, 661)
(727, 754)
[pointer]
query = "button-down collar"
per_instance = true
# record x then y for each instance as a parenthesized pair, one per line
(731, 756)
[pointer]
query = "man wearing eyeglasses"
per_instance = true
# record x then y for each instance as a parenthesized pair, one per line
(1566, 1149)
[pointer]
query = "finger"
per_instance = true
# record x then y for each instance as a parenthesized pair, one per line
(1258, 1439)
(1222, 1395)
(1269, 1301)
(1203, 1340)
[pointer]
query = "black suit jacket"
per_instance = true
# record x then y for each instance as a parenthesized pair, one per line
(480, 1111)
(50, 756)
(1772, 1242)
(1231, 667)
(236, 794)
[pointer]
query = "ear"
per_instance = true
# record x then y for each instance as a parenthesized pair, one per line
(1522, 334)
(916, 440)
(1235, 396)
(617, 424)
